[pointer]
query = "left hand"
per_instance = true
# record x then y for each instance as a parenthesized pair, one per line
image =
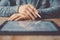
(17, 17)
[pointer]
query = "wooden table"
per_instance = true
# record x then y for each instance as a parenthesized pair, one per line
(31, 37)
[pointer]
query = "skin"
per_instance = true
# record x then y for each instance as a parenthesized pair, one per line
(27, 11)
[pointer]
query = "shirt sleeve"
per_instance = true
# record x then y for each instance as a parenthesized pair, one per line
(8, 10)
(51, 12)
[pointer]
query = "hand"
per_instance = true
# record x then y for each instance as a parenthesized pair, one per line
(17, 17)
(29, 10)
(25, 12)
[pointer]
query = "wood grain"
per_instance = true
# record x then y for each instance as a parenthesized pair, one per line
(30, 37)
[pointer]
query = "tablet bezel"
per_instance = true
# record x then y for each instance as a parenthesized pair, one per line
(31, 32)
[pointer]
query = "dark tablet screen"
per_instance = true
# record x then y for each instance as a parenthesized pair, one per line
(29, 26)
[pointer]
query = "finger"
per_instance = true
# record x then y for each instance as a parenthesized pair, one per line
(20, 18)
(35, 10)
(32, 12)
(26, 15)
(13, 17)
(31, 16)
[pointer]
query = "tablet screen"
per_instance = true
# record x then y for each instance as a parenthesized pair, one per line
(29, 26)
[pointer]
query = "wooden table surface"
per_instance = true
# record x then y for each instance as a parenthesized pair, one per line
(30, 37)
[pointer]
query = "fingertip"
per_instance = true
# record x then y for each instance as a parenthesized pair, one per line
(9, 19)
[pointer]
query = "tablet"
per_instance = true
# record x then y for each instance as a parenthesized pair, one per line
(41, 27)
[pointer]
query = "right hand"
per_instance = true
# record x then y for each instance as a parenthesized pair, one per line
(29, 10)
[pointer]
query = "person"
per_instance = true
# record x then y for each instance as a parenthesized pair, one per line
(29, 9)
